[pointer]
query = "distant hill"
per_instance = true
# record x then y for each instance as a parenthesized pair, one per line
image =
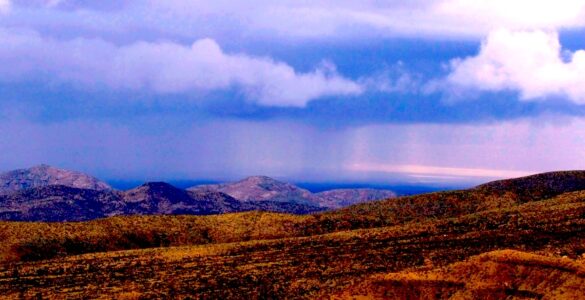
(45, 193)
(57, 203)
(262, 188)
(345, 197)
(163, 198)
(44, 175)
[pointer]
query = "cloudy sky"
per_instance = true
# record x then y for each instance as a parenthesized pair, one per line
(363, 91)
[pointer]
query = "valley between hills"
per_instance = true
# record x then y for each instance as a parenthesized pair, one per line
(520, 238)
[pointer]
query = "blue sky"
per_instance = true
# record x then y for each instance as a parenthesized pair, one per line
(361, 91)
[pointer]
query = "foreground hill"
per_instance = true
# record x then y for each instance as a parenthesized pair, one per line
(43, 175)
(501, 194)
(538, 186)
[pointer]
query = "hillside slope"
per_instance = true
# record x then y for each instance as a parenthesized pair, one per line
(504, 274)
(57, 203)
(501, 194)
(345, 197)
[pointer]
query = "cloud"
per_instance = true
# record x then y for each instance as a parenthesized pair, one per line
(164, 68)
(4, 6)
(443, 18)
(421, 171)
(531, 62)
(317, 19)
(320, 19)
(487, 15)
(326, 18)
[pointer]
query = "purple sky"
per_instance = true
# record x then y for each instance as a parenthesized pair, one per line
(435, 91)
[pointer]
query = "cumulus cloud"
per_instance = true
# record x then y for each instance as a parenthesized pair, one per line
(532, 62)
(164, 67)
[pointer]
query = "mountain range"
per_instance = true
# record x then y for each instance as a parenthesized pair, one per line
(45, 193)
(262, 188)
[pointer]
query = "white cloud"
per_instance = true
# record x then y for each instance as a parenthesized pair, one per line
(513, 14)
(164, 68)
(531, 62)
(4, 6)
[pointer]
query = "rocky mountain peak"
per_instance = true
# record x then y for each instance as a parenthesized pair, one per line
(263, 188)
(45, 175)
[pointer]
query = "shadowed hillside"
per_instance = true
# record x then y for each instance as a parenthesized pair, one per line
(539, 186)
(57, 203)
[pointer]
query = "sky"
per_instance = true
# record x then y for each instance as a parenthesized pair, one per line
(430, 92)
